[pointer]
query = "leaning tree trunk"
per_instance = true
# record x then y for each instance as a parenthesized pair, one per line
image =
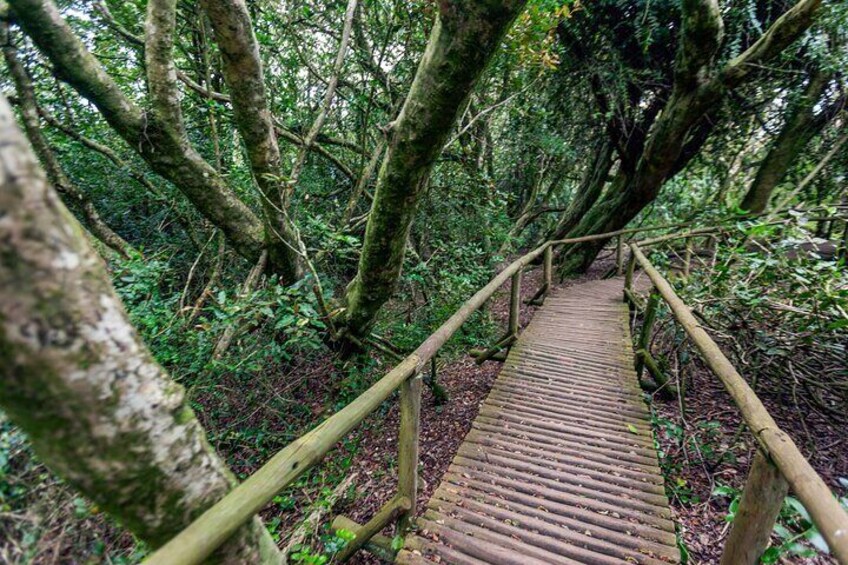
(463, 40)
(60, 181)
(697, 90)
(588, 192)
(75, 376)
(801, 125)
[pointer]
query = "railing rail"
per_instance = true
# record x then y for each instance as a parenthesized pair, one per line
(778, 463)
(218, 523)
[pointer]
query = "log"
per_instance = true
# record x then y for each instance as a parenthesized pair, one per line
(311, 523)
(381, 519)
(504, 343)
(653, 368)
(633, 299)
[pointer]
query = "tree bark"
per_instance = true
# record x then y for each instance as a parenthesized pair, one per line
(55, 173)
(242, 69)
(78, 380)
(463, 40)
(801, 125)
(588, 192)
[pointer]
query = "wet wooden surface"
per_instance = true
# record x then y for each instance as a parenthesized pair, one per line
(560, 465)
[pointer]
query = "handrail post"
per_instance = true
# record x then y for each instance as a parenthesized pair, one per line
(843, 253)
(410, 427)
(687, 260)
(645, 335)
(761, 501)
(514, 304)
(548, 268)
(619, 255)
(628, 277)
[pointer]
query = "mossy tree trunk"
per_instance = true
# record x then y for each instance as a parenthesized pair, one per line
(242, 69)
(463, 40)
(682, 127)
(588, 192)
(78, 380)
(802, 123)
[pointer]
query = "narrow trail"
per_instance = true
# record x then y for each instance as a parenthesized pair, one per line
(560, 464)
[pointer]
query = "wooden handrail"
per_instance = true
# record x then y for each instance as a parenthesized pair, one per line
(825, 511)
(203, 536)
(713, 230)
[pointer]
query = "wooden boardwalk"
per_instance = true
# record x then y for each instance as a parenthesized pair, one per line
(559, 466)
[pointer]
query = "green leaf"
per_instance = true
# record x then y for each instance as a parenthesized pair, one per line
(771, 555)
(397, 543)
(632, 429)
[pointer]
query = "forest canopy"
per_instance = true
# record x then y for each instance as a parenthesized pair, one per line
(267, 204)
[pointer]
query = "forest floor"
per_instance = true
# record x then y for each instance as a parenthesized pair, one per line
(247, 426)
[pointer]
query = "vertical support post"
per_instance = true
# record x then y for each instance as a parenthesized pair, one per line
(548, 268)
(687, 260)
(843, 253)
(762, 498)
(410, 427)
(514, 304)
(628, 278)
(619, 255)
(645, 335)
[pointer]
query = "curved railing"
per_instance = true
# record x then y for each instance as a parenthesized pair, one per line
(208, 532)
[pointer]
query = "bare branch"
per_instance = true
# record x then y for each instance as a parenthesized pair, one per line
(312, 134)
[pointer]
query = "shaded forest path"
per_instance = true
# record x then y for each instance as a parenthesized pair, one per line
(560, 464)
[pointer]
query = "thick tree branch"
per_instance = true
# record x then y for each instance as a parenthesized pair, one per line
(461, 44)
(76, 377)
(159, 63)
(55, 173)
(783, 32)
(167, 153)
